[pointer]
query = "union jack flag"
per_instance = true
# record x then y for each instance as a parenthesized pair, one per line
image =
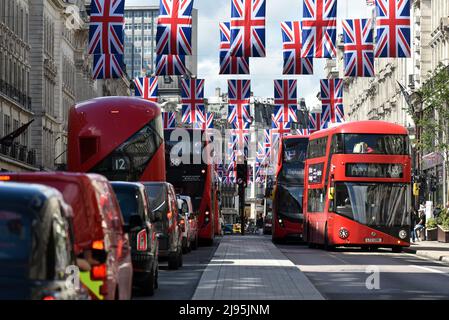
(358, 48)
(302, 132)
(174, 27)
(315, 122)
(241, 136)
(228, 63)
(171, 65)
(285, 101)
(248, 28)
(192, 99)
(239, 92)
(332, 101)
(293, 63)
(169, 119)
(108, 66)
(208, 124)
(319, 29)
(393, 29)
(283, 128)
(106, 27)
(147, 88)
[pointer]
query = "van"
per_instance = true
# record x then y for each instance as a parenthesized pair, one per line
(37, 254)
(164, 205)
(98, 229)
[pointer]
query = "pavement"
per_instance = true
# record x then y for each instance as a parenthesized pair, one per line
(433, 250)
(355, 274)
(250, 267)
(181, 284)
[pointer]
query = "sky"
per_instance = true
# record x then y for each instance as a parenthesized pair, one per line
(263, 70)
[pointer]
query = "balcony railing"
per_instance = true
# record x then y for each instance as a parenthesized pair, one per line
(15, 94)
(19, 152)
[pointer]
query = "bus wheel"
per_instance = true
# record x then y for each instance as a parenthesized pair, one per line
(327, 246)
(397, 249)
(311, 245)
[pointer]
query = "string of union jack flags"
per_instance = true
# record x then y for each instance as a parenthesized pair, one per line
(243, 37)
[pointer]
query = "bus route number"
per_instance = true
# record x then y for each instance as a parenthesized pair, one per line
(120, 164)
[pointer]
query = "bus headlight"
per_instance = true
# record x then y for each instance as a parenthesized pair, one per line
(343, 233)
(281, 223)
(402, 234)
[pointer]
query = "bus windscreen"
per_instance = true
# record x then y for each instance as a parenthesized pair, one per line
(373, 204)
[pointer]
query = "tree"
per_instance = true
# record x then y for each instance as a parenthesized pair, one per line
(432, 118)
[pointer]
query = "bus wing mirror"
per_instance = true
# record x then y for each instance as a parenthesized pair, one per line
(331, 193)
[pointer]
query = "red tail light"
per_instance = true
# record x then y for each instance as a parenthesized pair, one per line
(142, 241)
(98, 245)
(99, 272)
(48, 298)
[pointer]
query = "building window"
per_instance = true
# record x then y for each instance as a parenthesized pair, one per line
(6, 125)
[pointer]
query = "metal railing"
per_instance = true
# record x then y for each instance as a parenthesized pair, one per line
(19, 152)
(15, 94)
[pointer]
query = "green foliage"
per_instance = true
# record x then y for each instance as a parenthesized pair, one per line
(434, 118)
(443, 219)
(431, 223)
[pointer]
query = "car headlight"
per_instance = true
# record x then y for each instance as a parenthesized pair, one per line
(402, 234)
(343, 233)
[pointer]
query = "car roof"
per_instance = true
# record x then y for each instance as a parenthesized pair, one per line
(128, 185)
(60, 176)
(26, 194)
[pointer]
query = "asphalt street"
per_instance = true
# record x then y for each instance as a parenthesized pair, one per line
(344, 274)
(181, 284)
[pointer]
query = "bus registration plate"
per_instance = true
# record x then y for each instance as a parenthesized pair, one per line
(373, 240)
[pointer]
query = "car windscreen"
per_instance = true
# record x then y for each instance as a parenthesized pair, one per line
(128, 199)
(156, 197)
(15, 238)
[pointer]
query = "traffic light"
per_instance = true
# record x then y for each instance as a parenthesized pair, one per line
(416, 189)
(242, 173)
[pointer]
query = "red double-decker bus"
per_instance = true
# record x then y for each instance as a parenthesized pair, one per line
(119, 137)
(191, 171)
(288, 216)
(358, 180)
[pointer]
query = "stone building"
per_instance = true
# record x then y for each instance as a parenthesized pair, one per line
(15, 97)
(44, 70)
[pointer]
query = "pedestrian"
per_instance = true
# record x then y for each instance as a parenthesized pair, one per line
(259, 224)
(413, 220)
(421, 222)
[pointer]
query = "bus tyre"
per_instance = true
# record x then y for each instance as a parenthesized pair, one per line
(173, 261)
(327, 246)
(397, 249)
(194, 244)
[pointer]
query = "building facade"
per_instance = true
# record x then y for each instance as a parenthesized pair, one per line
(44, 70)
(15, 96)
